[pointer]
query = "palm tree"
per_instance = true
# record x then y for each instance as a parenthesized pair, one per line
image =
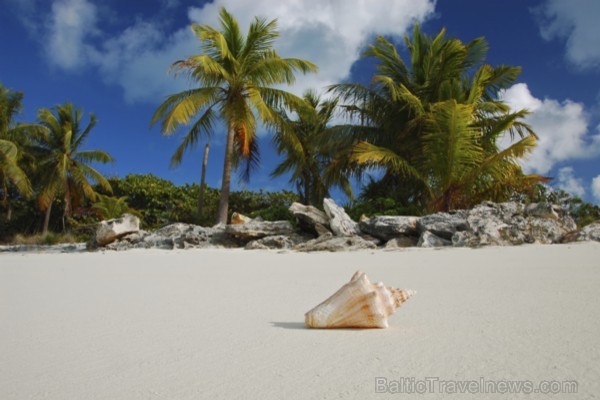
(434, 127)
(11, 135)
(308, 145)
(236, 77)
(109, 207)
(64, 168)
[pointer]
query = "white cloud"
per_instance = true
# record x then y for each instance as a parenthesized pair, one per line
(577, 23)
(567, 181)
(70, 24)
(330, 34)
(139, 58)
(596, 188)
(562, 128)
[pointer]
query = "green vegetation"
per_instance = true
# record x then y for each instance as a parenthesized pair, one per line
(430, 128)
(237, 76)
(308, 147)
(63, 167)
(433, 126)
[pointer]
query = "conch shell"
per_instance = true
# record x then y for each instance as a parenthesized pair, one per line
(358, 304)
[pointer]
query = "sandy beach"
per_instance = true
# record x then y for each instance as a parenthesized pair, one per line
(229, 324)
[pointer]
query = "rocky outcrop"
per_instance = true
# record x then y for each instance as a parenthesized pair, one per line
(512, 223)
(113, 229)
(340, 223)
(443, 225)
(429, 239)
(259, 229)
(401, 243)
(502, 224)
(276, 242)
(589, 232)
(389, 227)
(336, 243)
(176, 236)
(237, 218)
(310, 218)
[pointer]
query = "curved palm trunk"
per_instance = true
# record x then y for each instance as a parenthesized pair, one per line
(202, 180)
(224, 201)
(47, 217)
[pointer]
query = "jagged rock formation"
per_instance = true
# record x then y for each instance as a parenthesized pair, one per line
(496, 224)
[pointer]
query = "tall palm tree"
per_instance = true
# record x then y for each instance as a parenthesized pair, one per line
(64, 167)
(308, 145)
(11, 135)
(236, 77)
(434, 126)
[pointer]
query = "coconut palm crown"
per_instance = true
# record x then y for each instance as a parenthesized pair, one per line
(10, 171)
(64, 166)
(434, 126)
(237, 77)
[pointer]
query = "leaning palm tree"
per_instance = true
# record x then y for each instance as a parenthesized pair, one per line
(434, 127)
(11, 173)
(237, 76)
(308, 145)
(64, 167)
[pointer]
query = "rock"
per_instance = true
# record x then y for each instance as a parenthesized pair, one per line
(543, 210)
(443, 224)
(388, 227)
(111, 230)
(590, 232)
(400, 242)
(177, 236)
(429, 239)
(276, 242)
(310, 218)
(321, 230)
(237, 218)
(339, 222)
(465, 239)
(256, 229)
(335, 243)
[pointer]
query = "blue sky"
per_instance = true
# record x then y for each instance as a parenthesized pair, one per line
(111, 57)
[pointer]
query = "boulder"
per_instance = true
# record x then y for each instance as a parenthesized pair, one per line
(400, 242)
(429, 239)
(258, 229)
(276, 242)
(388, 227)
(544, 210)
(310, 218)
(340, 223)
(443, 224)
(237, 218)
(589, 232)
(113, 229)
(335, 243)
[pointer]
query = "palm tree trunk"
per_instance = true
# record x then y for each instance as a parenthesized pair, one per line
(202, 180)
(224, 201)
(47, 218)
(5, 201)
(67, 210)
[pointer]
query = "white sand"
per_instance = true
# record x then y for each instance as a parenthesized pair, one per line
(228, 324)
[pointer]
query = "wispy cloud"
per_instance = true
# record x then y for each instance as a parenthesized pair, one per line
(567, 181)
(562, 127)
(575, 22)
(331, 34)
(596, 188)
(71, 23)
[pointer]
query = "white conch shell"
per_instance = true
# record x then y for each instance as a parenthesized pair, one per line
(358, 304)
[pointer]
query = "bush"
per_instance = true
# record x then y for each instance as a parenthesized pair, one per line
(160, 202)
